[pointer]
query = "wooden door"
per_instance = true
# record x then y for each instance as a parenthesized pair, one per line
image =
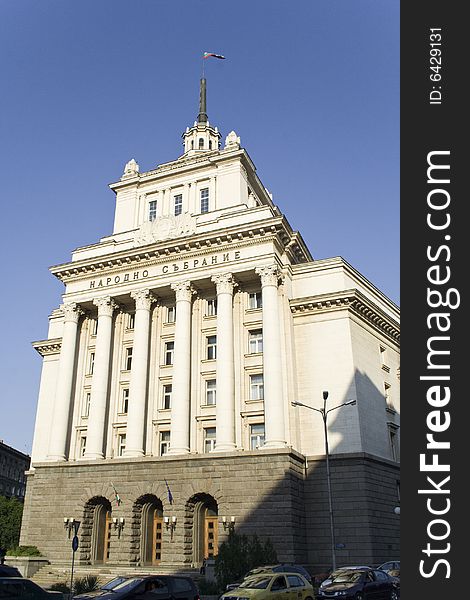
(107, 536)
(210, 537)
(157, 538)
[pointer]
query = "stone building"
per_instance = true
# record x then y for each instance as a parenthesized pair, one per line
(13, 465)
(165, 414)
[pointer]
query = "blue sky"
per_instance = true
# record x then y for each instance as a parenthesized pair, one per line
(311, 87)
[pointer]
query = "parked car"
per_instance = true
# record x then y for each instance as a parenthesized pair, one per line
(360, 584)
(146, 587)
(271, 586)
(7, 571)
(17, 588)
(391, 565)
(328, 579)
(281, 568)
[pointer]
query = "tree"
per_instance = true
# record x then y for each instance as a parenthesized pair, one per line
(11, 511)
(239, 554)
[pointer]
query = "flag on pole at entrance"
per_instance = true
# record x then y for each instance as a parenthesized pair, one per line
(170, 495)
(209, 54)
(116, 495)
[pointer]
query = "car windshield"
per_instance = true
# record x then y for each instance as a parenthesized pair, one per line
(114, 582)
(127, 584)
(347, 576)
(256, 583)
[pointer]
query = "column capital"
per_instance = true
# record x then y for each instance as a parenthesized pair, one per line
(106, 306)
(183, 290)
(225, 283)
(269, 275)
(72, 311)
(143, 299)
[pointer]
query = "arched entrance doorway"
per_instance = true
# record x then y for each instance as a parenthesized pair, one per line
(150, 509)
(97, 521)
(203, 510)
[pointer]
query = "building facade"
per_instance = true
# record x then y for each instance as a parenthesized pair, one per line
(13, 465)
(165, 414)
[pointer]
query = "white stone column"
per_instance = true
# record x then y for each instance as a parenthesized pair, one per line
(272, 360)
(225, 390)
(180, 399)
(61, 415)
(139, 369)
(99, 383)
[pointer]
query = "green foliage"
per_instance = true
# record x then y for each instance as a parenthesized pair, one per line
(208, 588)
(11, 511)
(239, 554)
(24, 551)
(89, 583)
(81, 585)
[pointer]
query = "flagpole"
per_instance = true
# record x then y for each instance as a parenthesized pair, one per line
(202, 66)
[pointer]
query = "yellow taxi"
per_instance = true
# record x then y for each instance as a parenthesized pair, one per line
(272, 586)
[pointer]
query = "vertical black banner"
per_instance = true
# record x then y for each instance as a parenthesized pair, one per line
(435, 425)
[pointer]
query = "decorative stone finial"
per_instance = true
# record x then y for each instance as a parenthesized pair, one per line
(131, 169)
(232, 141)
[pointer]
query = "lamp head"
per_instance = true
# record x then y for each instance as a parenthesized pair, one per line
(325, 395)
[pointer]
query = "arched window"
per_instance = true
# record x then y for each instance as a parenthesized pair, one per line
(201, 143)
(210, 144)
(192, 144)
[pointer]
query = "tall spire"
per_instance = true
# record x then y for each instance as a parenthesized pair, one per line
(202, 116)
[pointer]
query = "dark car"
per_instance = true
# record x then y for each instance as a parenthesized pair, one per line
(390, 566)
(7, 571)
(359, 584)
(18, 588)
(330, 576)
(146, 587)
(281, 568)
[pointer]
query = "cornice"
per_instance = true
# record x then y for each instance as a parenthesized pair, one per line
(276, 228)
(48, 347)
(356, 303)
(181, 165)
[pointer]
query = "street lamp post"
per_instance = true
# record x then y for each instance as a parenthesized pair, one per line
(324, 413)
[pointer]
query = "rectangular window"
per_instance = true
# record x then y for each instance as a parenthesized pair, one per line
(255, 300)
(152, 210)
(255, 341)
(121, 444)
(211, 347)
(169, 350)
(256, 436)
(82, 445)
(131, 321)
(205, 200)
(171, 314)
(392, 433)
(91, 363)
(128, 363)
(125, 401)
(209, 439)
(167, 390)
(211, 307)
(86, 404)
(94, 326)
(387, 394)
(178, 204)
(211, 392)
(164, 442)
(383, 359)
(256, 387)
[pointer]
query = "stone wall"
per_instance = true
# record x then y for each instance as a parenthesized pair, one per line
(262, 490)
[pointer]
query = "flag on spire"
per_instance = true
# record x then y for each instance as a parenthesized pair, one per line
(170, 495)
(116, 495)
(209, 54)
